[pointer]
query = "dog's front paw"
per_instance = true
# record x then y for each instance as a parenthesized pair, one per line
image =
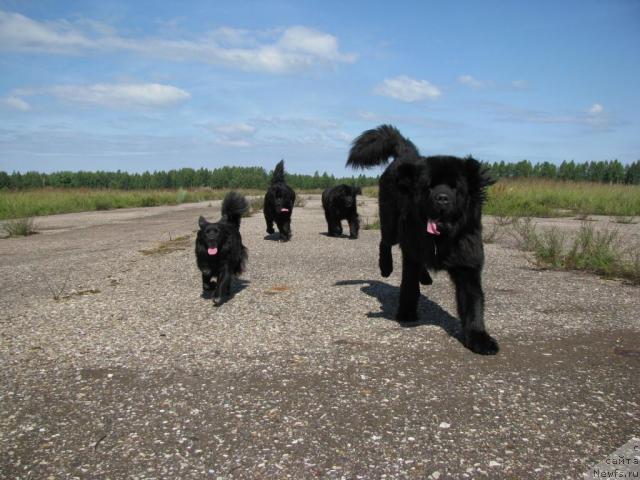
(217, 301)
(353, 236)
(270, 230)
(481, 342)
(425, 278)
(386, 267)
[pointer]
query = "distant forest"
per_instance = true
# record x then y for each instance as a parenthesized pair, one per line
(257, 177)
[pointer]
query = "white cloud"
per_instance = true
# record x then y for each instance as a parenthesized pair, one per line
(595, 117)
(149, 95)
(596, 109)
(407, 89)
(19, 33)
(234, 134)
(16, 103)
(235, 128)
(293, 49)
(122, 95)
(472, 82)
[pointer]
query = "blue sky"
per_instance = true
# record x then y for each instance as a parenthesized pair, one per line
(151, 85)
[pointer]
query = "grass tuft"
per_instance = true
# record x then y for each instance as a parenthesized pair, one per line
(371, 223)
(256, 205)
(598, 252)
(19, 227)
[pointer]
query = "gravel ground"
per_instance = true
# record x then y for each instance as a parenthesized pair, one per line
(131, 373)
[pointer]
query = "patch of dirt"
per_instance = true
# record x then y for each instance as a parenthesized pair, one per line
(169, 246)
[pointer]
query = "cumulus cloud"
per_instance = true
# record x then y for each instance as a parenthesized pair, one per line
(472, 82)
(149, 95)
(407, 89)
(596, 109)
(287, 50)
(15, 103)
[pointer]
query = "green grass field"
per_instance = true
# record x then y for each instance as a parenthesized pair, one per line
(535, 198)
(32, 203)
(549, 198)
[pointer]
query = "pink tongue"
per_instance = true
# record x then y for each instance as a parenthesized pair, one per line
(432, 228)
(212, 251)
(284, 209)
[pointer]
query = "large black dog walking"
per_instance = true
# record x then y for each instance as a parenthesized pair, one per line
(219, 249)
(278, 203)
(432, 207)
(339, 204)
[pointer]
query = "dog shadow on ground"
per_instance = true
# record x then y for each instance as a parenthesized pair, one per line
(429, 312)
(274, 237)
(326, 234)
(237, 285)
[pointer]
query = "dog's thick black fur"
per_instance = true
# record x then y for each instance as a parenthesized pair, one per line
(278, 203)
(339, 204)
(431, 206)
(219, 249)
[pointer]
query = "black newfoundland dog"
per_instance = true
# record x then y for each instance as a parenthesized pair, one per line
(339, 204)
(219, 249)
(278, 204)
(431, 206)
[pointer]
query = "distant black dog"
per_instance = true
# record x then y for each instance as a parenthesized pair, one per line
(432, 207)
(278, 203)
(339, 204)
(219, 249)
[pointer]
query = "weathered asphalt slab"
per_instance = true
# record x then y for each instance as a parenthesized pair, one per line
(303, 373)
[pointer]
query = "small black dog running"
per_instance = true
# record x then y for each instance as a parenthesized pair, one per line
(219, 249)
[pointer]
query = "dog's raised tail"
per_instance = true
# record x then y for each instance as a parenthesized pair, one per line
(234, 206)
(374, 147)
(278, 173)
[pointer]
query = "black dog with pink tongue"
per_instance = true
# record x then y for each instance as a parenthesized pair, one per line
(219, 249)
(432, 207)
(278, 204)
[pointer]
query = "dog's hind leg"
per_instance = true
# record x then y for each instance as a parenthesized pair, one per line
(331, 228)
(409, 290)
(389, 234)
(354, 227)
(470, 299)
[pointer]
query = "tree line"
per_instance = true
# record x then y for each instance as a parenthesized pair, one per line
(258, 178)
(225, 177)
(605, 171)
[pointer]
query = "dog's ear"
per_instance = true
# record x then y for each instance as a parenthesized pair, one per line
(478, 177)
(202, 222)
(406, 177)
(357, 191)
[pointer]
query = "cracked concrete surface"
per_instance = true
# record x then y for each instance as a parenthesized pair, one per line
(131, 373)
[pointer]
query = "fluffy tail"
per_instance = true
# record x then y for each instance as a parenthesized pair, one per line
(278, 173)
(234, 206)
(374, 147)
